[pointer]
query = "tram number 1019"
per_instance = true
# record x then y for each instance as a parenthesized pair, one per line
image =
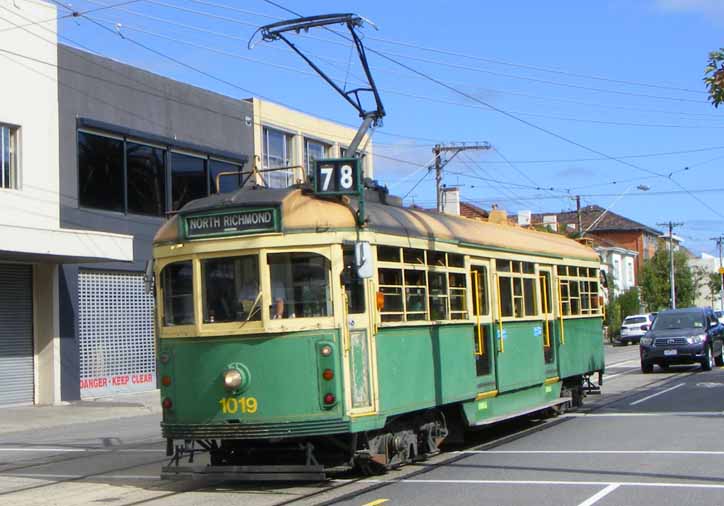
(339, 176)
(231, 405)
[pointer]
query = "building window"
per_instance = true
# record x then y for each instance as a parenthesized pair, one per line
(277, 152)
(313, 150)
(146, 179)
(227, 183)
(118, 174)
(188, 179)
(100, 172)
(8, 157)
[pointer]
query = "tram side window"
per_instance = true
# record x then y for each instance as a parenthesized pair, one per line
(438, 295)
(300, 285)
(518, 288)
(579, 291)
(178, 294)
(352, 283)
(481, 305)
(231, 289)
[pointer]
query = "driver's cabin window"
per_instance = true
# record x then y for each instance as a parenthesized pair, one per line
(300, 285)
(178, 294)
(353, 285)
(231, 289)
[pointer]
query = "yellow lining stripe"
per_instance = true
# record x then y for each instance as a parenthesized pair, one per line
(550, 381)
(486, 395)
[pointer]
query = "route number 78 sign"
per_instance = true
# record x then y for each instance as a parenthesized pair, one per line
(338, 176)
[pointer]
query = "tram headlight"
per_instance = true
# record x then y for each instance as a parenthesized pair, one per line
(232, 379)
(325, 350)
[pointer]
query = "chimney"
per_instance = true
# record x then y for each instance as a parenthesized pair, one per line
(451, 201)
(524, 218)
(551, 222)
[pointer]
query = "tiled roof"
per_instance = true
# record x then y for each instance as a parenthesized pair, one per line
(609, 223)
(472, 211)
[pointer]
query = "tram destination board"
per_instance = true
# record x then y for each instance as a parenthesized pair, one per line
(232, 222)
(338, 176)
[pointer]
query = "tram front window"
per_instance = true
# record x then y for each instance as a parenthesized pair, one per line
(231, 289)
(300, 285)
(178, 294)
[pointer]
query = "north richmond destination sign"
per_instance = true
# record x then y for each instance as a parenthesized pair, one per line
(242, 221)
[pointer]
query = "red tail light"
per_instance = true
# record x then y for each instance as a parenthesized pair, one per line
(166, 381)
(167, 404)
(328, 374)
(329, 399)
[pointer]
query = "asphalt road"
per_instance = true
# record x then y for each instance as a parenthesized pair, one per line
(654, 438)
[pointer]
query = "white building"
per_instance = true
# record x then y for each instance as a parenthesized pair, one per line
(619, 265)
(702, 267)
(32, 243)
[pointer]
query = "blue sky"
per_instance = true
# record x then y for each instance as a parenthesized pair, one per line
(623, 78)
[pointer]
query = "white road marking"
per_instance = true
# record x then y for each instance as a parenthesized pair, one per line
(634, 403)
(593, 452)
(81, 450)
(619, 364)
(600, 495)
(651, 413)
(714, 486)
(607, 377)
(78, 476)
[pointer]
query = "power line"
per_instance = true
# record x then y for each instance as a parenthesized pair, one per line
(337, 62)
(73, 14)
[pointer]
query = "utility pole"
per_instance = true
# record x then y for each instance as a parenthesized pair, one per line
(721, 270)
(438, 150)
(671, 226)
(578, 215)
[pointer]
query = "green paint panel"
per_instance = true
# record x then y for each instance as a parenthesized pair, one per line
(424, 366)
(583, 349)
(512, 402)
(521, 364)
(284, 378)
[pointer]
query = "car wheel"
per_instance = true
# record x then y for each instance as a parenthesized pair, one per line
(708, 361)
(719, 361)
(647, 367)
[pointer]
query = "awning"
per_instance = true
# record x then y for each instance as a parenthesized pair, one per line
(61, 245)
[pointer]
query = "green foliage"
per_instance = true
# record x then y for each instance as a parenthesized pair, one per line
(714, 77)
(714, 286)
(655, 284)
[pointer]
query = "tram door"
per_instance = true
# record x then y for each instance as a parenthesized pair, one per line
(484, 352)
(357, 339)
(547, 301)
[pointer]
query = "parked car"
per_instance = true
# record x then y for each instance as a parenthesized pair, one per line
(720, 316)
(635, 326)
(683, 336)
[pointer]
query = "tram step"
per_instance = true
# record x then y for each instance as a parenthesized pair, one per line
(245, 473)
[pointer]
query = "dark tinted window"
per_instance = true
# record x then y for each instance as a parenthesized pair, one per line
(100, 172)
(178, 294)
(146, 179)
(226, 183)
(231, 289)
(353, 285)
(679, 320)
(188, 174)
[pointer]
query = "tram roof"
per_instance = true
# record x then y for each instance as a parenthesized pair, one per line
(304, 212)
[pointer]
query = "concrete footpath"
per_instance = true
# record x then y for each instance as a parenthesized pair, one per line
(23, 418)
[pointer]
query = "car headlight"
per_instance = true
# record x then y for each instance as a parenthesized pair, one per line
(696, 339)
(646, 341)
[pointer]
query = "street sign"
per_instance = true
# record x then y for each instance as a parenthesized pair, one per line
(338, 176)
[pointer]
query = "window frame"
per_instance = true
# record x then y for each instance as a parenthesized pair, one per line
(410, 261)
(587, 288)
(14, 157)
(168, 146)
(288, 155)
(517, 272)
(326, 150)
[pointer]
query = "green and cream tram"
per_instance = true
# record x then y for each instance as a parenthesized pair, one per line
(293, 341)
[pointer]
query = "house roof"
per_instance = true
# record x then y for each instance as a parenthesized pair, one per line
(472, 211)
(611, 222)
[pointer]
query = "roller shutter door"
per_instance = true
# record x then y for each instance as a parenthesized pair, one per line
(115, 334)
(16, 334)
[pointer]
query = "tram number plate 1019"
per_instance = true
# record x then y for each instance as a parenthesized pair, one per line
(232, 405)
(339, 176)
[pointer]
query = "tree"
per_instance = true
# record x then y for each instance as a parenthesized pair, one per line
(714, 77)
(714, 285)
(655, 281)
(619, 308)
